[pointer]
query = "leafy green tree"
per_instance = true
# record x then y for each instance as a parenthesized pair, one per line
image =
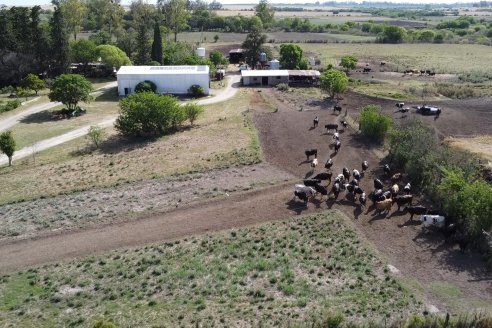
(192, 111)
(157, 44)
(427, 36)
(253, 46)
(103, 324)
(113, 56)
(22, 92)
(70, 89)
(147, 114)
(7, 145)
(373, 123)
(83, 51)
(218, 58)
(334, 82)
(176, 15)
(196, 91)
(290, 56)
(143, 45)
(216, 38)
(146, 86)
(59, 43)
(348, 62)
(95, 135)
(74, 12)
(265, 12)
(33, 82)
(393, 34)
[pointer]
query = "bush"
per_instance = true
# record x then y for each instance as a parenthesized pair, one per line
(196, 91)
(192, 111)
(146, 86)
(456, 91)
(10, 105)
(146, 114)
(283, 87)
(374, 124)
(95, 134)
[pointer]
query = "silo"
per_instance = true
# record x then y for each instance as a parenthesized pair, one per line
(200, 52)
(274, 64)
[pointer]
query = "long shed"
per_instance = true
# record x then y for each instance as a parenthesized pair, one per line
(265, 77)
(168, 79)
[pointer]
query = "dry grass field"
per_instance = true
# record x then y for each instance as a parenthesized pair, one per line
(222, 137)
(480, 145)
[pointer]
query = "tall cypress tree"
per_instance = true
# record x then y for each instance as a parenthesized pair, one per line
(157, 44)
(59, 43)
(38, 40)
(142, 49)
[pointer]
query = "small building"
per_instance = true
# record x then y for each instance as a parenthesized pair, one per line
(304, 77)
(168, 79)
(236, 56)
(265, 77)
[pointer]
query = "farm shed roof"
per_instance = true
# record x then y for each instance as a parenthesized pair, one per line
(267, 72)
(163, 70)
(238, 50)
(312, 73)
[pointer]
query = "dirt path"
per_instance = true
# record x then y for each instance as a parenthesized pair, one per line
(221, 95)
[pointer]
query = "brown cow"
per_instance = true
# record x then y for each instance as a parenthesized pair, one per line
(384, 205)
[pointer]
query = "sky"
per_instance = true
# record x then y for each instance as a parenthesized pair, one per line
(47, 2)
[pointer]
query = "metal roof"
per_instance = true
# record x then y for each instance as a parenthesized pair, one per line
(238, 50)
(304, 73)
(266, 72)
(164, 70)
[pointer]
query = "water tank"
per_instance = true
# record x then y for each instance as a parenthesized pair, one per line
(312, 61)
(200, 52)
(263, 57)
(274, 64)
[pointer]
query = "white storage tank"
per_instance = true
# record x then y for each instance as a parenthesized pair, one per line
(312, 61)
(274, 64)
(200, 52)
(263, 57)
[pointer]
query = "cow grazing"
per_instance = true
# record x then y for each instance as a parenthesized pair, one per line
(329, 127)
(386, 169)
(362, 199)
(402, 200)
(346, 173)
(329, 163)
(320, 189)
(358, 190)
(400, 104)
(340, 178)
(354, 182)
(338, 144)
(377, 195)
(378, 184)
(336, 136)
(314, 163)
(311, 152)
(395, 190)
(432, 73)
(301, 195)
(349, 188)
(335, 189)
(387, 194)
(356, 174)
(365, 166)
(337, 108)
(416, 210)
(344, 123)
(311, 182)
(382, 63)
(407, 188)
(366, 70)
(384, 205)
(323, 176)
(396, 177)
(304, 193)
(315, 121)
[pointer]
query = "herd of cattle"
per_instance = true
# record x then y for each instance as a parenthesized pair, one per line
(383, 197)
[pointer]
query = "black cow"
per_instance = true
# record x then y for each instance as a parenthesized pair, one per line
(407, 188)
(329, 127)
(337, 108)
(349, 188)
(377, 195)
(387, 194)
(301, 195)
(315, 121)
(311, 152)
(386, 169)
(338, 144)
(358, 190)
(365, 166)
(416, 210)
(362, 199)
(402, 200)
(323, 176)
(335, 189)
(346, 173)
(400, 104)
(329, 163)
(344, 123)
(354, 182)
(322, 190)
(311, 182)
(366, 70)
(378, 184)
(356, 174)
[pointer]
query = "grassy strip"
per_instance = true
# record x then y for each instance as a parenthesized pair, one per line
(274, 274)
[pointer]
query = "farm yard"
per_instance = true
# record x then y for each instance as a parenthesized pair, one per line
(258, 206)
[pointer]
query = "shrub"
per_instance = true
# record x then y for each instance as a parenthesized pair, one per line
(196, 91)
(146, 114)
(374, 124)
(10, 105)
(456, 91)
(192, 111)
(146, 86)
(95, 134)
(283, 87)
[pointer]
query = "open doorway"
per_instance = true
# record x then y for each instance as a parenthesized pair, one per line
(264, 80)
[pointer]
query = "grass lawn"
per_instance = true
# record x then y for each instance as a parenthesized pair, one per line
(277, 274)
(74, 166)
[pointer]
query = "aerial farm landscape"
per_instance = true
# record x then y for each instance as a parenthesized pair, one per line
(204, 164)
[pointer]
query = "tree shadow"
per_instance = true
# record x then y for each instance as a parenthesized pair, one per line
(39, 118)
(116, 144)
(108, 95)
(296, 206)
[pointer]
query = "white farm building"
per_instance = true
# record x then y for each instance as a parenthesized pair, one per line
(168, 79)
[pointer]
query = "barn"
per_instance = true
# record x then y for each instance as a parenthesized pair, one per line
(265, 77)
(168, 79)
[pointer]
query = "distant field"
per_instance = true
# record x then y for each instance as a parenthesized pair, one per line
(480, 145)
(278, 274)
(443, 58)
